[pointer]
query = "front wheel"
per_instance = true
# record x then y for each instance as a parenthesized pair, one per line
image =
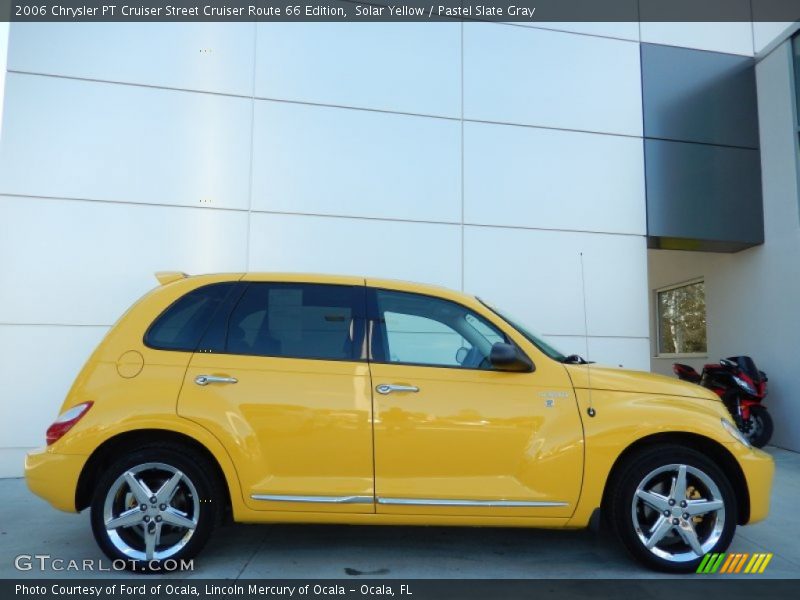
(152, 506)
(760, 430)
(670, 506)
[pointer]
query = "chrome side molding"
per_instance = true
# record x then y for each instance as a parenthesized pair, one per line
(409, 501)
(459, 502)
(318, 499)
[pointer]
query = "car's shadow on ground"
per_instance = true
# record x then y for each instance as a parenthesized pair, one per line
(415, 552)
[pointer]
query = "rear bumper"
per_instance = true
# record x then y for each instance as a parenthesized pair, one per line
(759, 469)
(54, 476)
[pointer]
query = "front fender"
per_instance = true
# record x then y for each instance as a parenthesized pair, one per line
(624, 418)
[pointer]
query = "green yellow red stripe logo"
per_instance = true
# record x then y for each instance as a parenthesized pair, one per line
(734, 562)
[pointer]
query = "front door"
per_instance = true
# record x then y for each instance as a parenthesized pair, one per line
(455, 436)
(282, 380)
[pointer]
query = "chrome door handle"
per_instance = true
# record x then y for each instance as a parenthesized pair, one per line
(386, 388)
(206, 379)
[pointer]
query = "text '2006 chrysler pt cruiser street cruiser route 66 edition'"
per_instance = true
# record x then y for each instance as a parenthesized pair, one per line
(322, 399)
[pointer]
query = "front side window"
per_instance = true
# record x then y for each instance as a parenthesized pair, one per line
(424, 330)
(181, 326)
(297, 320)
(682, 319)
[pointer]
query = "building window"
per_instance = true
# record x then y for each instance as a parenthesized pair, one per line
(682, 319)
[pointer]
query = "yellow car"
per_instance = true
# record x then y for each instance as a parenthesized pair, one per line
(267, 398)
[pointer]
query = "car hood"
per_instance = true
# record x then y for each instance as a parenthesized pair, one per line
(598, 377)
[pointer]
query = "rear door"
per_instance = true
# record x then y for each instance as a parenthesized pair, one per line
(282, 380)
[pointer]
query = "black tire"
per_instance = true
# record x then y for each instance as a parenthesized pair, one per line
(198, 491)
(761, 426)
(621, 511)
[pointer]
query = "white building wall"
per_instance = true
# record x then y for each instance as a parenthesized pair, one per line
(479, 156)
(751, 296)
(4, 28)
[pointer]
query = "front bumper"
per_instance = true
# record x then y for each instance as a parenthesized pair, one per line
(759, 469)
(54, 476)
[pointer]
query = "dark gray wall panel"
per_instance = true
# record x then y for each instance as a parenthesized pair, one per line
(704, 193)
(699, 96)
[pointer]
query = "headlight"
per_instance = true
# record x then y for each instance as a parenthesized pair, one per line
(746, 386)
(735, 433)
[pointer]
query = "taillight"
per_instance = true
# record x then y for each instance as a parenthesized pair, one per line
(66, 420)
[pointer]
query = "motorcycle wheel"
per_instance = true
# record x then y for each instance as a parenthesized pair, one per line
(760, 426)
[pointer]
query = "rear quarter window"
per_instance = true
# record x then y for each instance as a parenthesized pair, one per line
(183, 323)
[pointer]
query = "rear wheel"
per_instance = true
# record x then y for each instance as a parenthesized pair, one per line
(670, 506)
(154, 505)
(760, 431)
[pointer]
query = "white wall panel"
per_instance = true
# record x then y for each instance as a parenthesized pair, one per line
(766, 32)
(216, 57)
(553, 179)
(733, 37)
(4, 27)
(628, 353)
(407, 67)
(78, 139)
(615, 269)
(320, 160)
(566, 344)
(428, 253)
(536, 275)
(12, 461)
(78, 262)
(624, 30)
(38, 366)
(539, 77)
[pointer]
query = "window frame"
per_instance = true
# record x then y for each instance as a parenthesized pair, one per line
(359, 318)
(377, 328)
(657, 315)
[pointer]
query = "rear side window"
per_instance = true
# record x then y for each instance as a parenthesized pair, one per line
(181, 326)
(298, 320)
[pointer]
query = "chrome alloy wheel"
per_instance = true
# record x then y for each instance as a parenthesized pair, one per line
(144, 524)
(678, 513)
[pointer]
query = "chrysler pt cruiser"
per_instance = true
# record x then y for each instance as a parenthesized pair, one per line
(275, 398)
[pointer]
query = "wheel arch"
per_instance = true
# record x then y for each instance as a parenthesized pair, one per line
(110, 449)
(712, 449)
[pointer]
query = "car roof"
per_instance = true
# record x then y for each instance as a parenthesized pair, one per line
(165, 277)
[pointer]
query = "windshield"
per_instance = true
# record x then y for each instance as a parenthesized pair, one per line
(533, 338)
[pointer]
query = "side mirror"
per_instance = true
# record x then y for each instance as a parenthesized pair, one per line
(507, 357)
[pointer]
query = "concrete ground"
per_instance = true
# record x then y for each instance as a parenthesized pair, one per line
(29, 526)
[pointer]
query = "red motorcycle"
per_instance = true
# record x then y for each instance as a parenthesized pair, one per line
(742, 387)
